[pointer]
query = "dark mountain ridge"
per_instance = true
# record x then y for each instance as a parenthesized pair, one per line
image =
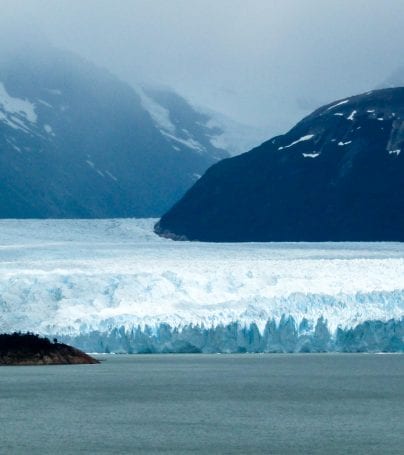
(338, 175)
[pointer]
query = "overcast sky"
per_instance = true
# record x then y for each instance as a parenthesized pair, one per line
(264, 62)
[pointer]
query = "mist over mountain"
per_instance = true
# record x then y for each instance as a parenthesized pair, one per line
(336, 176)
(395, 79)
(75, 141)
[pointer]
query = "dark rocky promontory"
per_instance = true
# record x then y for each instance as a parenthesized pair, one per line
(30, 349)
(338, 175)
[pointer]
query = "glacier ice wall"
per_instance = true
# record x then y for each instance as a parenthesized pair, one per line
(283, 337)
(112, 285)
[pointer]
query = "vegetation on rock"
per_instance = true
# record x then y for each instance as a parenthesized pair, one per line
(31, 349)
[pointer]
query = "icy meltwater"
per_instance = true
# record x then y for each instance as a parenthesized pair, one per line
(210, 404)
(74, 276)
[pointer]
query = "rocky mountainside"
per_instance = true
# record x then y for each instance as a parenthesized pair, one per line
(75, 141)
(337, 175)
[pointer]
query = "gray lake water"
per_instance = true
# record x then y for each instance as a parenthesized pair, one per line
(273, 404)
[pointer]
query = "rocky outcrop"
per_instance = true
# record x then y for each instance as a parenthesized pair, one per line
(29, 349)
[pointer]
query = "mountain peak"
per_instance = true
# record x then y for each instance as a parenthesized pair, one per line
(76, 141)
(337, 175)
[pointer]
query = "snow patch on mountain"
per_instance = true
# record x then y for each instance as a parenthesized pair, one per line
(159, 114)
(189, 142)
(16, 106)
(340, 103)
(307, 137)
(162, 118)
(48, 129)
(311, 155)
(352, 115)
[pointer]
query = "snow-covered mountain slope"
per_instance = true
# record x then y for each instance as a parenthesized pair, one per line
(180, 122)
(337, 175)
(196, 126)
(114, 285)
(75, 141)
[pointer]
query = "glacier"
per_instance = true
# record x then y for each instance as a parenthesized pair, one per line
(114, 286)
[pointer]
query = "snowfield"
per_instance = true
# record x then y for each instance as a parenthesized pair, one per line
(114, 285)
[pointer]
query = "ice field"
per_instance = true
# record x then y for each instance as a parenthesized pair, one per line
(114, 285)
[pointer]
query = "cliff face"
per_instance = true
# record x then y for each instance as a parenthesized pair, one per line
(338, 175)
(29, 349)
